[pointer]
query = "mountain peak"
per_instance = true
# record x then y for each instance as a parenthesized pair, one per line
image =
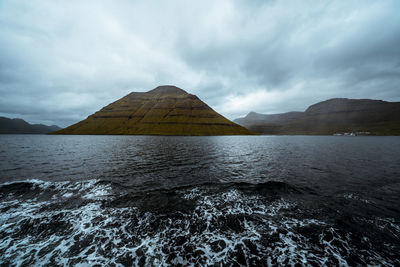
(167, 89)
(252, 115)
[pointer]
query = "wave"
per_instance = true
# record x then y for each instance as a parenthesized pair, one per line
(34, 188)
(91, 222)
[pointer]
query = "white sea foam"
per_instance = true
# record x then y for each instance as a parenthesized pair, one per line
(96, 234)
(357, 197)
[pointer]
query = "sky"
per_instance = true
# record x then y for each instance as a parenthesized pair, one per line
(61, 61)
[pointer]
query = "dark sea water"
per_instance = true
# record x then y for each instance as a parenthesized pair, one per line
(231, 201)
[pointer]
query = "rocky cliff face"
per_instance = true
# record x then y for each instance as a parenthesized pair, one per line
(165, 110)
(336, 115)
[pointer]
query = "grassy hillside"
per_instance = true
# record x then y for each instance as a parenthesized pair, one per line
(165, 110)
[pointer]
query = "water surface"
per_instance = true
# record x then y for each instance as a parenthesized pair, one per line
(230, 200)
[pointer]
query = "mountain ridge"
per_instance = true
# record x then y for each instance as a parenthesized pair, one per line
(20, 126)
(336, 115)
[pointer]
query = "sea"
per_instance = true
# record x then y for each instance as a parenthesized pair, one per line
(71, 200)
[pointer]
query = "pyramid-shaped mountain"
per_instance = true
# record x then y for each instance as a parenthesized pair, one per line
(165, 110)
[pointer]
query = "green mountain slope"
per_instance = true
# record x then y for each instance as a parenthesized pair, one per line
(165, 110)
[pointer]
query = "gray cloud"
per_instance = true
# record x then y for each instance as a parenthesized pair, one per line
(62, 61)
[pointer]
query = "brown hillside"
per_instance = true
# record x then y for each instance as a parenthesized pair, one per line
(165, 110)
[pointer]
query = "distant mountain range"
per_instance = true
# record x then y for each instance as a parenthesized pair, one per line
(338, 115)
(169, 110)
(165, 110)
(19, 126)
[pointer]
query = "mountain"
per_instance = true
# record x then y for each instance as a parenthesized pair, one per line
(337, 115)
(255, 118)
(165, 110)
(19, 126)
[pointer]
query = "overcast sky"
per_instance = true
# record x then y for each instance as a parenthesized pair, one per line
(60, 61)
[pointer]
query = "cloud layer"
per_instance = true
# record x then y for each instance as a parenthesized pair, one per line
(60, 61)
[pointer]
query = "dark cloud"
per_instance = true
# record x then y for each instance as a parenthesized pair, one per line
(60, 62)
